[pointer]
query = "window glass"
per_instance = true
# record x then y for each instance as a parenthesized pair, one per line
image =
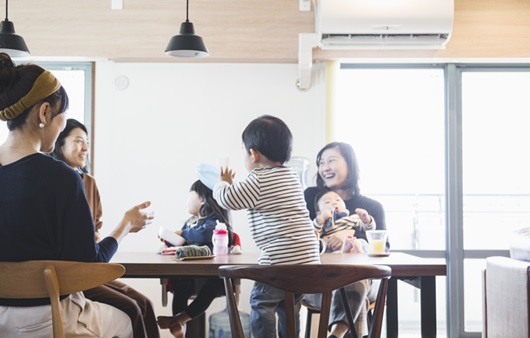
(473, 294)
(394, 119)
(495, 163)
(73, 82)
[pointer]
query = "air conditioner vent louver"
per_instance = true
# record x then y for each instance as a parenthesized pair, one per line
(349, 41)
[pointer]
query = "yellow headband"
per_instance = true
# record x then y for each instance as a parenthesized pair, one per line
(45, 85)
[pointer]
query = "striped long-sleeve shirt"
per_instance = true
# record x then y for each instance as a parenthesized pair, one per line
(333, 226)
(277, 214)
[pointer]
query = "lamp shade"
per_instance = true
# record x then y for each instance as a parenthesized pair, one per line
(186, 44)
(10, 42)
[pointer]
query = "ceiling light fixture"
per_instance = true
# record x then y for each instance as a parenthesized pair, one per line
(10, 42)
(186, 44)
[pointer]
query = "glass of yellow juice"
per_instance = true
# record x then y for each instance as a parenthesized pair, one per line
(377, 241)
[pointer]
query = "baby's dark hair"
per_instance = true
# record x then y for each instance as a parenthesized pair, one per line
(320, 192)
(270, 136)
(210, 204)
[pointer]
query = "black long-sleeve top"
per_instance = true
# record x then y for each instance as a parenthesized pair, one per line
(44, 215)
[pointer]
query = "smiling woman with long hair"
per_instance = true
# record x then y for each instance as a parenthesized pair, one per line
(338, 171)
(71, 147)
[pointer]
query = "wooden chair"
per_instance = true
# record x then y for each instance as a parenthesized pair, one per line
(305, 279)
(41, 279)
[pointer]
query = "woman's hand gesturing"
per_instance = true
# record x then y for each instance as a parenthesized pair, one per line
(138, 218)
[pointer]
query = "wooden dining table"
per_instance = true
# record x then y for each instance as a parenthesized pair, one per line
(416, 271)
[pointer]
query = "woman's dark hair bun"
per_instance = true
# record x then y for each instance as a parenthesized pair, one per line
(7, 70)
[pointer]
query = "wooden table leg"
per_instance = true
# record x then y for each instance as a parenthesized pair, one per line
(428, 307)
(392, 309)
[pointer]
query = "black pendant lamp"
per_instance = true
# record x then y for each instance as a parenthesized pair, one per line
(11, 43)
(186, 44)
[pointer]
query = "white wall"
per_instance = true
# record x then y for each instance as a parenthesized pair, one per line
(150, 136)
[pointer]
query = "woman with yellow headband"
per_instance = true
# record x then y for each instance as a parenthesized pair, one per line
(44, 214)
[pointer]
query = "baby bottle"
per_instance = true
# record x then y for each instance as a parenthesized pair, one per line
(220, 239)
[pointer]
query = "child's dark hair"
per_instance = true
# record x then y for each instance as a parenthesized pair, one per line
(270, 136)
(320, 192)
(210, 204)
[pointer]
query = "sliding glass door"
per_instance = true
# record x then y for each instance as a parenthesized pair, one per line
(442, 147)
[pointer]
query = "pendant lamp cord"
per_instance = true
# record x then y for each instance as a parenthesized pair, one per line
(187, 6)
(7, 1)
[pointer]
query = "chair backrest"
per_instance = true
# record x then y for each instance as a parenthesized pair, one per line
(41, 279)
(303, 279)
(506, 298)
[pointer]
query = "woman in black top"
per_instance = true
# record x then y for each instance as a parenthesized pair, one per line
(44, 214)
(338, 170)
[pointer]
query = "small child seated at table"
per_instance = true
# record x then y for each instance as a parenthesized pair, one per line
(198, 230)
(334, 219)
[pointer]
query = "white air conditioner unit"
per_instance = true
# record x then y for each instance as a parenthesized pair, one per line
(376, 25)
(384, 24)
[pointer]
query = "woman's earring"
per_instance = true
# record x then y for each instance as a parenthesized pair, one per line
(41, 125)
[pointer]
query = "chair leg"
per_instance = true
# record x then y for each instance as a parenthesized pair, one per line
(376, 326)
(308, 323)
(163, 283)
(370, 314)
(348, 312)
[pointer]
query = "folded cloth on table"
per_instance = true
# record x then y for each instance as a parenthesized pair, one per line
(192, 251)
(168, 250)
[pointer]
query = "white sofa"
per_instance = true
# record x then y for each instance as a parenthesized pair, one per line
(506, 294)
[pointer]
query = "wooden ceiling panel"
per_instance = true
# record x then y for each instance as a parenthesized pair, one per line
(250, 31)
